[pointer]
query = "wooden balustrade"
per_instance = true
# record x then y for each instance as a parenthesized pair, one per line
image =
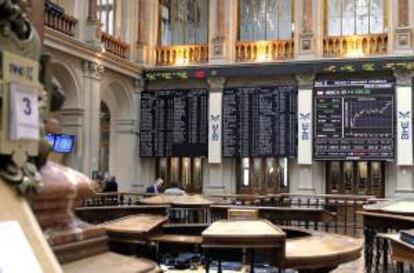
(115, 45)
(56, 19)
(260, 51)
(182, 55)
(344, 207)
(355, 46)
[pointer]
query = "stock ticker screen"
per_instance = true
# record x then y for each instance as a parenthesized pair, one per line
(354, 119)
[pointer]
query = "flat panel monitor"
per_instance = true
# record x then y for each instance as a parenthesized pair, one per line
(61, 143)
(354, 119)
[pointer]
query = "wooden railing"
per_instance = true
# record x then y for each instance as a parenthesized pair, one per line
(114, 199)
(115, 45)
(343, 207)
(355, 46)
(56, 19)
(260, 51)
(181, 55)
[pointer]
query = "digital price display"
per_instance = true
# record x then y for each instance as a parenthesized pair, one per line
(354, 119)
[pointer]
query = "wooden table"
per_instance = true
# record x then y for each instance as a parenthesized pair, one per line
(321, 252)
(401, 252)
(244, 234)
(111, 263)
(312, 252)
(133, 230)
(397, 207)
(383, 217)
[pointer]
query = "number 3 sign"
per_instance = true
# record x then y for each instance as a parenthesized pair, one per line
(24, 113)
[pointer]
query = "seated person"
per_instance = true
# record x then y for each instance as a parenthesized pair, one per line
(174, 190)
(111, 185)
(156, 187)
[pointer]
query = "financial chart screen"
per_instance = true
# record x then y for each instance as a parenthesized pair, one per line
(354, 119)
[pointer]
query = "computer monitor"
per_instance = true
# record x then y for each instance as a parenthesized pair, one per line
(51, 139)
(61, 143)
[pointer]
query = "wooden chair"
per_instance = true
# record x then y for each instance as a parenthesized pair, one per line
(243, 214)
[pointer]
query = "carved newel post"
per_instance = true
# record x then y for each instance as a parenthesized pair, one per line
(63, 190)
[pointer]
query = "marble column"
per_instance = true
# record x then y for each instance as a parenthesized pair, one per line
(36, 15)
(304, 29)
(219, 178)
(148, 31)
(402, 184)
(92, 101)
(306, 175)
(123, 154)
(401, 27)
(222, 30)
(72, 123)
(93, 26)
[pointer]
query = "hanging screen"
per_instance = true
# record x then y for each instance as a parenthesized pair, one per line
(259, 121)
(354, 119)
(174, 123)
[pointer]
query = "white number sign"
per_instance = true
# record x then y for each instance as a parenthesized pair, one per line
(24, 113)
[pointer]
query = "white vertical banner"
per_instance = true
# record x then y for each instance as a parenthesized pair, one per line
(404, 126)
(305, 126)
(214, 127)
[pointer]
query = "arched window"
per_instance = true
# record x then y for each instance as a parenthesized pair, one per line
(265, 19)
(183, 22)
(106, 15)
(355, 17)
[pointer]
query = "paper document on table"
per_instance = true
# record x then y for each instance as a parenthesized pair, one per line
(401, 207)
(16, 255)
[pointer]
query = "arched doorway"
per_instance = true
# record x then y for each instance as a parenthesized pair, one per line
(71, 113)
(105, 138)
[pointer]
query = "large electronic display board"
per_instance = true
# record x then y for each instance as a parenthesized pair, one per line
(259, 121)
(174, 123)
(354, 119)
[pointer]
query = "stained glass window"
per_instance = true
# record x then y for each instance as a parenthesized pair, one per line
(265, 20)
(183, 22)
(353, 17)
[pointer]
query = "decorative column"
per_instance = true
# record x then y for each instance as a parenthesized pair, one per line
(93, 26)
(72, 120)
(402, 31)
(218, 175)
(304, 36)
(303, 176)
(222, 30)
(148, 31)
(36, 15)
(305, 117)
(404, 143)
(144, 167)
(92, 98)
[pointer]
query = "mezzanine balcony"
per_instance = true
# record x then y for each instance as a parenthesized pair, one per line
(262, 51)
(56, 18)
(115, 45)
(355, 46)
(181, 55)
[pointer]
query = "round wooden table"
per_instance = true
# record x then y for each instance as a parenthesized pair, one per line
(320, 252)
